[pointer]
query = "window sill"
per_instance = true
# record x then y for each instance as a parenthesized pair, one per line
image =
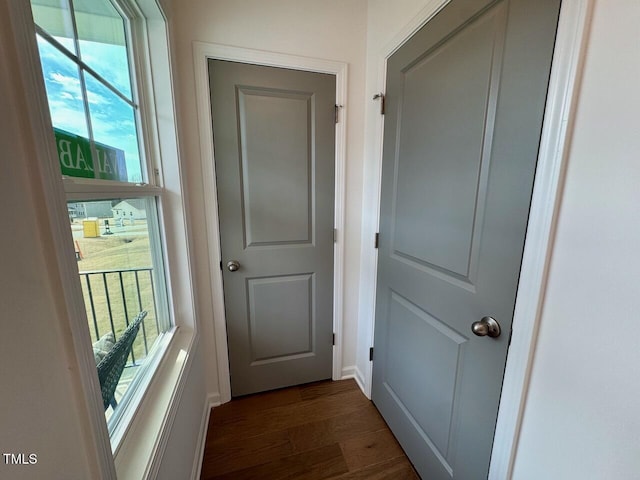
(142, 445)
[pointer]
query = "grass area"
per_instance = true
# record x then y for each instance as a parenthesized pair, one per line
(115, 296)
(110, 253)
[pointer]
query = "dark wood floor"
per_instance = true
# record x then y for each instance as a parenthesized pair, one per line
(324, 430)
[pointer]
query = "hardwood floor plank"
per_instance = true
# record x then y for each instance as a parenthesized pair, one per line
(370, 449)
(221, 458)
(320, 389)
(253, 404)
(326, 407)
(336, 429)
(321, 463)
(398, 468)
(287, 416)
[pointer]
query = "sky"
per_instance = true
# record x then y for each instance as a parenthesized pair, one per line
(112, 119)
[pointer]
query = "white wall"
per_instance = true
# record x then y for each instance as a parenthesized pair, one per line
(183, 446)
(582, 418)
(41, 407)
(333, 30)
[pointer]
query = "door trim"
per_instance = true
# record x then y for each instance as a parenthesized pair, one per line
(569, 53)
(202, 52)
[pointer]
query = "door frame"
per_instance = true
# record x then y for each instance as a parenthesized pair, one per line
(566, 68)
(202, 53)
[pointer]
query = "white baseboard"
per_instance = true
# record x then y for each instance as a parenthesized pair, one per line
(348, 372)
(213, 400)
(355, 373)
(359, 377)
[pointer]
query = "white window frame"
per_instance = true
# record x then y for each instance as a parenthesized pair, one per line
(138, 451)
(83, 189)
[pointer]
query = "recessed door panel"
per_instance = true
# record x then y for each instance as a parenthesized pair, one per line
(422, 365)
(439, 186)
(275, 136)
(269, 317)
(274, 146)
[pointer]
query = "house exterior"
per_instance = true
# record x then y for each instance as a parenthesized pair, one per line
(580, 417)
(97, 209)
(76, 210)
(132, 209)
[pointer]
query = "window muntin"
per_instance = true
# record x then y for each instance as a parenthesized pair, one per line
(102, 35)
(62, 82)
(122, 134)
(54, 16)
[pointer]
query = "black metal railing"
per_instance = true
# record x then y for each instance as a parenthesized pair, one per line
(115, 297)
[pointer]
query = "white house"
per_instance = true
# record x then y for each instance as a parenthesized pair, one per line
(577, 413)
(132, 209)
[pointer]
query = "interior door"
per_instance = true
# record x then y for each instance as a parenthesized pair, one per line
(274, 144)
(464, 109)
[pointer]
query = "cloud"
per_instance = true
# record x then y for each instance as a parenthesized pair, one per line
(68, 116)
(71, 89)
(96, 99)
(67, 82)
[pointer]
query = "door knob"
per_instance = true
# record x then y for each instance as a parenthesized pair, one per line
(486, 327)
(233, 265)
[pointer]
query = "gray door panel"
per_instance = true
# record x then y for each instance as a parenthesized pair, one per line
(464, 109)
(274, 151)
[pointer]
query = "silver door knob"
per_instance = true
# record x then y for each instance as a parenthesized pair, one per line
(486, 327)
(233, 265)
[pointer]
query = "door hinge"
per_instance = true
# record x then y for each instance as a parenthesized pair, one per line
(335, 235)
(337, 113)
(382, 101)
(371, 354)
(376, 241)
(333, 339)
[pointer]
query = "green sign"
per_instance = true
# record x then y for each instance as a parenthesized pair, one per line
(76, 159)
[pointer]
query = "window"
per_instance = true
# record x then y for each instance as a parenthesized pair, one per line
(111, 178)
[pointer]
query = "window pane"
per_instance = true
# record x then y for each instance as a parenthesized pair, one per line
(118, 252)
(101, 32)
(114, 125)
(62, 82)
(54, 17)
(110, 62)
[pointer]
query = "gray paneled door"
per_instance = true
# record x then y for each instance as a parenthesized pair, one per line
(464, 109)
(274, 144)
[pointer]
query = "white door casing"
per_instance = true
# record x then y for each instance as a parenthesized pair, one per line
(202, 52)
(274, 133)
